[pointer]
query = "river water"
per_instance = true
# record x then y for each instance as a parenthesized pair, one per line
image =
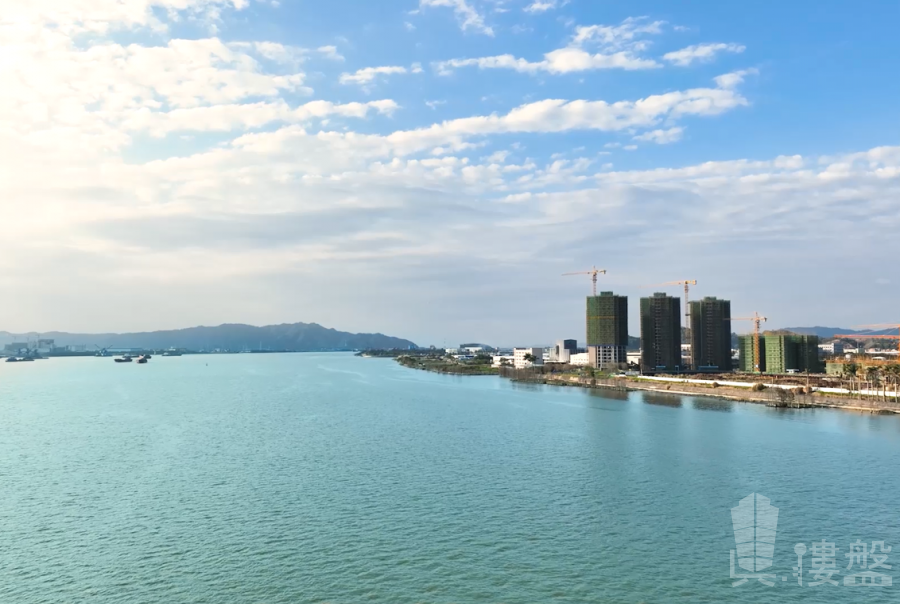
(294, 478)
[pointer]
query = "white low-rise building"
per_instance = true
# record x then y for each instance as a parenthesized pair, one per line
(580, 358)
(502, 360)
(519, 355)
(832, 348)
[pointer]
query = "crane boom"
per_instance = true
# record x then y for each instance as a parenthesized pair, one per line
(593, 273)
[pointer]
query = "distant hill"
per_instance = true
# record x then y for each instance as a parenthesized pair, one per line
(829, 332)
(299, 337)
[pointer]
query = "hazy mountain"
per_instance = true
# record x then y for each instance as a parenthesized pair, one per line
(829, 332)
(299, 337)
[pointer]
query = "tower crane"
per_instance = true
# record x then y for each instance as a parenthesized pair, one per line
(756, 321)
(878, 326)
(593, 273)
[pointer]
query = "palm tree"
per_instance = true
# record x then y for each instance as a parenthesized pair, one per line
(850, 370)
(893, 376)
(871, 377)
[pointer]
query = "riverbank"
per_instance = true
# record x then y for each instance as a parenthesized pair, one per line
(773, 397)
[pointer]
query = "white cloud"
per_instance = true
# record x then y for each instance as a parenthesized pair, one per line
(227, 118)
(468, 17)
(701, 53)
(434, 104)
(368, 74)
(623, 35)
(274, 51)
(102, 15)
(734, 79)
(497, 157)
(59, 94)
(662, 137)
(564, 60)
(619, 50)
(542, 6)
(330, 52)
(555, 115)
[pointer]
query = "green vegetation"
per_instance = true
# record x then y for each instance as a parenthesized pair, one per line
(480, 365)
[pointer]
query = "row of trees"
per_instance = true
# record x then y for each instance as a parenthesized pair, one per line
(873, 377)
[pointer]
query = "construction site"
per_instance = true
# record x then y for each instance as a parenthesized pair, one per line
(695, 339)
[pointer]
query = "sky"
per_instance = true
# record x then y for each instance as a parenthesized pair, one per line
(429, 168)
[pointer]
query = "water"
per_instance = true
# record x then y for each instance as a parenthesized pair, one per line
(327, 478)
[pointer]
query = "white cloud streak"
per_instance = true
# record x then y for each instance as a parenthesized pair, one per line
(619, 48)
(702, 53)
(330, 52)
(542, 6)
(469, 18)
(100, 16)
(367, 75)
(662, 137)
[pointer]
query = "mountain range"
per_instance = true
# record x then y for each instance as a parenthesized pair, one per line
(298, 337)
(830, 332)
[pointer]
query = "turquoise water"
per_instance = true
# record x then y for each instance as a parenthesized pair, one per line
(329, 478)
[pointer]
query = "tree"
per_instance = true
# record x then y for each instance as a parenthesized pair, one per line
(529, 358)
(893, 375)
(850, 370)
(784, 396)
(871, 377)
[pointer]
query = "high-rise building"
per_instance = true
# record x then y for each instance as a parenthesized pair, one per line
(711, 335)
(782, 353)
(607, 330)
(660, 333)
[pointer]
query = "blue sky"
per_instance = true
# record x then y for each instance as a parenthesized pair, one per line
(429, 168)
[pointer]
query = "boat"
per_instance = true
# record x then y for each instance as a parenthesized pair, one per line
(143, 359)
(12, 360)
(171, 353)
(125, 359)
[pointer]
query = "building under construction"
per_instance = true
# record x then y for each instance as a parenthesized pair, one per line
(710, 335)
(660, 334)
(781, 354)
(607, 330)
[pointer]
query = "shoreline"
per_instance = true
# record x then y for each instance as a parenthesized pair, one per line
(766, 397)
(803, 401)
